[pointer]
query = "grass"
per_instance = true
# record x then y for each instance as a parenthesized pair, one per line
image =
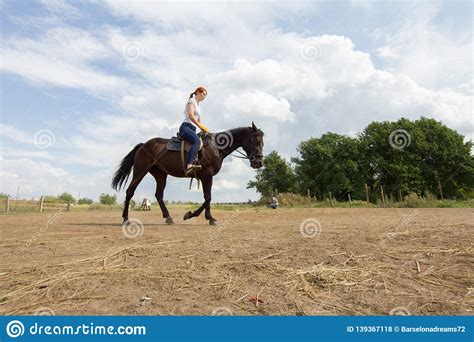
(286, 201)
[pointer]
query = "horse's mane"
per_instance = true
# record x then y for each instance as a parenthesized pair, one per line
(239, 130)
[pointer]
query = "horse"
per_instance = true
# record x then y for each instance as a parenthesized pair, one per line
(155, 158)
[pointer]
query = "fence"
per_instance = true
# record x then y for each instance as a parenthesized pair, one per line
(375, 195)
(33, 205)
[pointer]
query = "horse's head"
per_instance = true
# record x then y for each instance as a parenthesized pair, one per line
(253, 146)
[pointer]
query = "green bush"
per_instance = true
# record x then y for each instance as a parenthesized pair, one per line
(413, 201)
(108, 199)
(66, 197)
(85, 201)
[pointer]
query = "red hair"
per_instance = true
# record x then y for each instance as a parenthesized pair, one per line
(198, 89)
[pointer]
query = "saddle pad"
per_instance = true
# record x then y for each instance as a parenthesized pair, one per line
(175, 144)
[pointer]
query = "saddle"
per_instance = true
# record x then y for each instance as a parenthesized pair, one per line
(175, 144)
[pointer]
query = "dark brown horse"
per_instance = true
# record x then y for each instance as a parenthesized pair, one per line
(153, 157)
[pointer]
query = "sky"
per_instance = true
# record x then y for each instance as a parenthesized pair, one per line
(82, 82)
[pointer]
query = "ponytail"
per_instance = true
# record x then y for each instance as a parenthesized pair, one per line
(198, 89)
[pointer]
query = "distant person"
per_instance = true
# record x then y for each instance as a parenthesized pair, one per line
(273, 202)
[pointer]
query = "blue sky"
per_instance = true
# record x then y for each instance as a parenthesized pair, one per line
(83, 82)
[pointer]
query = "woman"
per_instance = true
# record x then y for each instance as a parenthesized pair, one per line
(187, 130)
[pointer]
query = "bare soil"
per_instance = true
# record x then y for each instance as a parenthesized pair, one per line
(256, 262)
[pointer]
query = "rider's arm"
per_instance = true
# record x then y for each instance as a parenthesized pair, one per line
(193, 118)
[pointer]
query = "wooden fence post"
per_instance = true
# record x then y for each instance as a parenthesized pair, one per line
(440, 190)
(41, 204)
(68, 205)
(330, 199)
(7, 205)
(382, 196)
(350, 200)
(367, 194)
(400, 198)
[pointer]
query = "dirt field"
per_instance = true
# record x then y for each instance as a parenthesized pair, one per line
(258, 262)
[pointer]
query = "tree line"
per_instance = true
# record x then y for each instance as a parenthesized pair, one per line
(422, 156)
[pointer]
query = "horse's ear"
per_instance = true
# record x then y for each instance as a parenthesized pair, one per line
(254, 127)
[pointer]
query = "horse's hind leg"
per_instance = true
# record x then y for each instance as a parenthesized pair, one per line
(160, 178)
(140, 169)
(195, 213)
(206, 187)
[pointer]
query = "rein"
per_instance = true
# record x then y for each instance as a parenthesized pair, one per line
(242, 155)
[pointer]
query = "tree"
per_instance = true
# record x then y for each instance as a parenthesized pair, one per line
(276, 174)
(413, 156)
(85, 201)
(108, 199)
(66, 197)
(330, 163)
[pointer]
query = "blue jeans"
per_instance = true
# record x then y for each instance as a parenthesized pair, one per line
(188, 132)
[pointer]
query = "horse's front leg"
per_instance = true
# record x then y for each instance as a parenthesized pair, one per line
(206, 188)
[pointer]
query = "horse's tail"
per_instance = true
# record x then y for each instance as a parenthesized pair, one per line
(121, 175)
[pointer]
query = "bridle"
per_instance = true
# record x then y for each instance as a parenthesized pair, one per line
(252, 156)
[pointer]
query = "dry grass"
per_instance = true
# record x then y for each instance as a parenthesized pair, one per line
(359, 265)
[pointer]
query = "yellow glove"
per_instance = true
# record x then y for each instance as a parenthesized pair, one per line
(203, 127)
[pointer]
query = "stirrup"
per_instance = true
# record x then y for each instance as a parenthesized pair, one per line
(192, 169)
(196, 165)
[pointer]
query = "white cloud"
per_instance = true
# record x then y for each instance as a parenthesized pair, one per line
(430, 57)
(37, 177)
(292, 85)
(52, 59)
(15, 134)
(258, 104)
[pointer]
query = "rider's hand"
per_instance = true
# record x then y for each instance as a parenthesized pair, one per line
(203, 127)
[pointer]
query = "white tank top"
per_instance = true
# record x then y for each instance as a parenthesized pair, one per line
(197, 111)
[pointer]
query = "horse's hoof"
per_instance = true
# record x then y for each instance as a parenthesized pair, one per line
(213, 222)
(187, 216)
(125, 221)
(169, 220)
